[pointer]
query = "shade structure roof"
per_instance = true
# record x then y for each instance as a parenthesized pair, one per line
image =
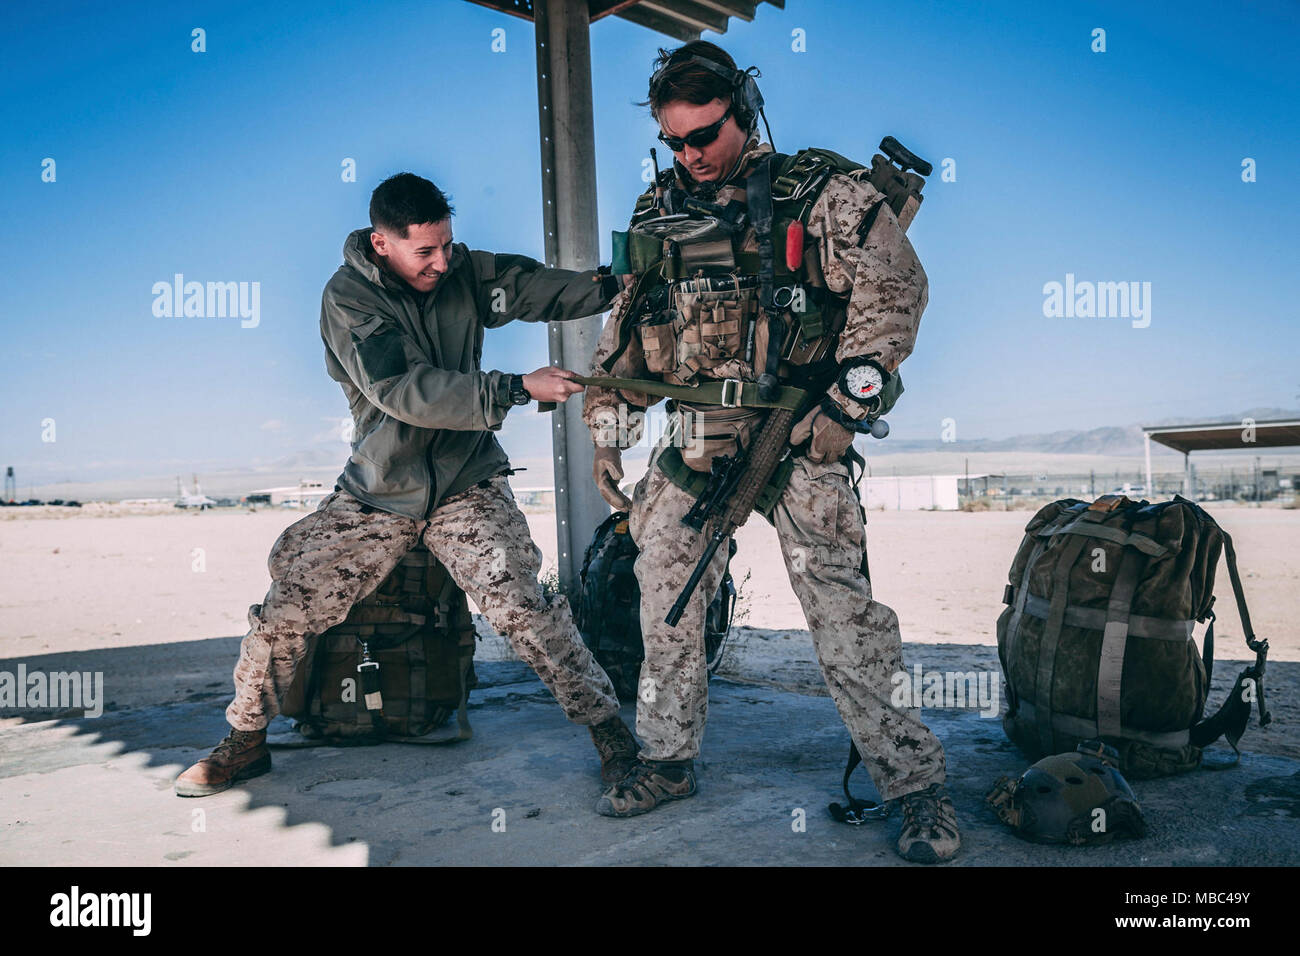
(1225, 436)
(681, 19)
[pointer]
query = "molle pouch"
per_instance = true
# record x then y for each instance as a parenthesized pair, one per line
(705, 257)
(704, 432)
(643, 251)
(659, 344)
(689, 246)
(720, 329)
(808, 341)
(715, 324)
(620, 261)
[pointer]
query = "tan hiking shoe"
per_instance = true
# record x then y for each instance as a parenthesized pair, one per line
(648, 784)
(929, 833)
(241, 755)
(617, 748)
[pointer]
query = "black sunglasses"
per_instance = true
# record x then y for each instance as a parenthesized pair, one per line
(698, 138)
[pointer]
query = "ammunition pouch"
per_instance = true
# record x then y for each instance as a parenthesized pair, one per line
(687, 245)
(706, 431)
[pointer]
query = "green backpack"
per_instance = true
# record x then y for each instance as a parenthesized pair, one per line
(1096, 640)
(396, 668)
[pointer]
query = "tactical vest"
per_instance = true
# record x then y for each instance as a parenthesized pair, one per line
(697, 267)
(697, 311)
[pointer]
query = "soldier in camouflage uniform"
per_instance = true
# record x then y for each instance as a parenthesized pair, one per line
(863, 266)
(403, 322)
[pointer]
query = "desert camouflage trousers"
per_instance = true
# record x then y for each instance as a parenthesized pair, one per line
(857, 639)
(326, 562)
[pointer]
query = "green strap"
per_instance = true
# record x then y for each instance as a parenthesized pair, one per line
(1046, 671)
(1094, 619)
(742, 394)
(1114, 641)
(1144, 543)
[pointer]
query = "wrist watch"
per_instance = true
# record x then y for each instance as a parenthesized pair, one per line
(518, 394)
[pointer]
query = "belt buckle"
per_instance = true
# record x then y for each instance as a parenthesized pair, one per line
(734, 393)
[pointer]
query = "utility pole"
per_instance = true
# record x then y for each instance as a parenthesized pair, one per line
(568, 148)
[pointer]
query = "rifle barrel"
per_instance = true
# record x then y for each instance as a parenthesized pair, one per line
(679, 607)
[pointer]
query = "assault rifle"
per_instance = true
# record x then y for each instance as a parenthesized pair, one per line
(736, 481)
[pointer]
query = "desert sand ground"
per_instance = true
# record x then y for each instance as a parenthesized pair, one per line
(146, 577)
(113, 576)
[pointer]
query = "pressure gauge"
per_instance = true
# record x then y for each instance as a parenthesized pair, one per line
(863, 382)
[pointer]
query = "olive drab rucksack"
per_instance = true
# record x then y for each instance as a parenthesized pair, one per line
(608, 612)
(397, 668)
(1096, 640)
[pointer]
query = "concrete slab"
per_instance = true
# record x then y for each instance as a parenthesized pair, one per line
(98, 791)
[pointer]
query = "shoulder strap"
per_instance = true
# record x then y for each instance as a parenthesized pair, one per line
(758, 196)
(1230, 720)
(801, 177)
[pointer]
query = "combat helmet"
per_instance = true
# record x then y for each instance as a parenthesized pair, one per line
(1073, 798)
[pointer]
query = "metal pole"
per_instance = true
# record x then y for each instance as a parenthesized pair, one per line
(1187, 475)
(1151, 491)
(568, 148)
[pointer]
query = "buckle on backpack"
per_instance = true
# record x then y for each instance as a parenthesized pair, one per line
(734, 393)
(1107, 503)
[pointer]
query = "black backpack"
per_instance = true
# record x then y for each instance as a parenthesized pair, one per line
(608, 609)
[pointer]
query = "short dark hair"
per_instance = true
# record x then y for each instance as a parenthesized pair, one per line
(683, 80)
(406, 200)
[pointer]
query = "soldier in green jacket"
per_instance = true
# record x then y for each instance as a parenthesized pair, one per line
(403, 321)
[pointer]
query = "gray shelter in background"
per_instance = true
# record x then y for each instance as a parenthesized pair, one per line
(1220, 436)
(568, 147)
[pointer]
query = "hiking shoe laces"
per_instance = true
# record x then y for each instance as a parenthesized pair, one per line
(929, 833)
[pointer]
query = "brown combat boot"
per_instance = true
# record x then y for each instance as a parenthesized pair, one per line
(241, 755)
(617, 748)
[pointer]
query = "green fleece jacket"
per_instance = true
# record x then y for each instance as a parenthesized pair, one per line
(423, 412)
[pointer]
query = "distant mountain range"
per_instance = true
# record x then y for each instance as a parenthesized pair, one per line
(1110, 440)
(523, 440)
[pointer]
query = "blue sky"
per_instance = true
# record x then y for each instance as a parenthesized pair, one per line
(225, 166)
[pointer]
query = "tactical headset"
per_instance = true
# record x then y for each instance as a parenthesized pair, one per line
(746, 100)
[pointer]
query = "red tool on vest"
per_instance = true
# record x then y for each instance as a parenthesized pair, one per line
(794, 246)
